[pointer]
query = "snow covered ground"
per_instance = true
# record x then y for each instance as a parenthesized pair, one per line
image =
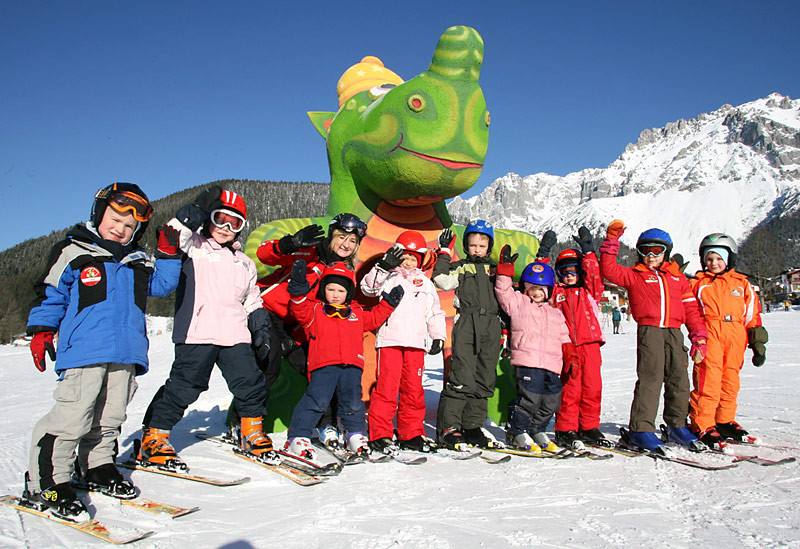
(631, 502)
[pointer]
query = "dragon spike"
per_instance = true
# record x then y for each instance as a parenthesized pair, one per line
(459, 54)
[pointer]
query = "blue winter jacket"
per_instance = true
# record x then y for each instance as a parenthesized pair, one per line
(94, 294)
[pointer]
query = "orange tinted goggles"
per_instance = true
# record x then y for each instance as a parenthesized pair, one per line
(651, 249)
(124, 201)
(337, 311)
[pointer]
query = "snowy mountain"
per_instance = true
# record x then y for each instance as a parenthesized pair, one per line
(726, 171)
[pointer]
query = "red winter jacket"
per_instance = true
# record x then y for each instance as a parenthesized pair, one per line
(579, 304)
(661, 297)
(334, 340)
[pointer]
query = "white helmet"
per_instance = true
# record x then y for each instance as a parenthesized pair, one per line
(720, 240)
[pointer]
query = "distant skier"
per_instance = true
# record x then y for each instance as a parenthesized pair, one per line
(616, 318)
(661, 301)
(93, 293)
(731, 311)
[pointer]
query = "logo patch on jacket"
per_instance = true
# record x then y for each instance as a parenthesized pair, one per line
(652, 279)
(560, 298)
(735, 292)
(90, 276)
(417, 282)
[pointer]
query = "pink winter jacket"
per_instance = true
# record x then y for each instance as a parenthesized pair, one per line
(217, 291)
(537, 329)
(416, 318)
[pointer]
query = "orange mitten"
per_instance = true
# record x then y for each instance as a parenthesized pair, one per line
(615, 229)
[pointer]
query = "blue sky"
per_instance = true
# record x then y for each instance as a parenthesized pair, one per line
(173, 94)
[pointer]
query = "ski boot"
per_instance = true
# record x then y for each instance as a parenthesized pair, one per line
(643, 441)
(476, 437)
(383, 445)
(682, 436)
(571, 440)
(711, 438)
(595, 437)
(300, 446)
(107, 480)
(155, 450)
(733, 431)
(59, 500)
(419, 443)
(329, 436)
(523, 441)
(358, 444)
(256, 443)
(545, 443)
(452, 439)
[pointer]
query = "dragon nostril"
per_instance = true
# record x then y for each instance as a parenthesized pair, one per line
(416, 103)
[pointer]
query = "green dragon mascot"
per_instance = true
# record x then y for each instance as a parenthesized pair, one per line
(397, 150)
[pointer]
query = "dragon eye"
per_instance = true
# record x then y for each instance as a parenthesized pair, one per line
(416, 103)
(378, 91)
(487, 118)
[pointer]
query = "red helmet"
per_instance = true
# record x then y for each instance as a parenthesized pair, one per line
(568, 258)
(234, 202)
(339, 273)
(413, 243)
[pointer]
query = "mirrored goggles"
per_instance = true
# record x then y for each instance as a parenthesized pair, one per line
(569, 270)
(234, 221)
(654, 250)
(353, 226)
(337, 311)
(124, 201)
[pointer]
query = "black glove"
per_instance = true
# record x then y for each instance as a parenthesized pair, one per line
(298, 285)
(393, 297)
(436, 347)
(191, 216)
(304, 238)
(756, 338)
(391, 259)
(506, 265)
(210, 199)
(446, 238)
(168, 238)
(584, 240)
(258, 322)
(548, 241)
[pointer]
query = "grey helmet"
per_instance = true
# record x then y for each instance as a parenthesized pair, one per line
(720, 240)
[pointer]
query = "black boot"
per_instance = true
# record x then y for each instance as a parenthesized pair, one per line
(108, 480)
(570, 439)
(476, 437)
(732, 431)
(60, 500)
(383, 445)
(595, 437)
(452, 438)
(418, 444)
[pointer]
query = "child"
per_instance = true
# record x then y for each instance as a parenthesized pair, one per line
(463, 403)
(540, 349)
(218, 313)
(660, 301)
(576, 296)
(335, 327)
(94, 293)
(733, 320)
(402, 343)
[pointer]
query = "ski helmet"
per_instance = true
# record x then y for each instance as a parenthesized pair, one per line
(123, 197)
(233, 202)
(719, 240)
(540, 274)
(339, 273)
(568, 258)
(348, 223)
(656, 236)
(412, 242)
(481, 227)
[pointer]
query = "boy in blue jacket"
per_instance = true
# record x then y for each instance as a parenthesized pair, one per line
(93, 294)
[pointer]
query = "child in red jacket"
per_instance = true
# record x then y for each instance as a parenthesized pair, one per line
(661, 301)
(335, 327)
(576, 295)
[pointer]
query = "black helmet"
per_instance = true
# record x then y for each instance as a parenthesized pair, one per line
(348, 223)
(719, 240)
(123, 197)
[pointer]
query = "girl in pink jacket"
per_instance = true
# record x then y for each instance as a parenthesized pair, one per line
(402, 342)
(540, 350)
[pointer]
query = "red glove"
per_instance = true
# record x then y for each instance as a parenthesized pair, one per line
(41, 342)
(168, 238)
(615, 229)
(699, 348)
(506, 265)
(571, 361)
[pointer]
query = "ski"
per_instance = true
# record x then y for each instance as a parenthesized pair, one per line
(590, 455)
(140, 503)
(346, 457)
(657, 455)
(561, 454)
(140, 466)
(402, 457)
(495, 461)
(756, 443)
(763, 461)
(295, 474)
(618, 450)
(91, 527)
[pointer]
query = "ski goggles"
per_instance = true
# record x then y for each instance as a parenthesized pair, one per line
(569, 270)
(654, 250)
(125, 201)
(337, 311)
(221, 218)
(352, 226)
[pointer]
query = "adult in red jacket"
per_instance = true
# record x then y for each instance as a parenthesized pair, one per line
(576, 295)
(660, 301)
(335, 327)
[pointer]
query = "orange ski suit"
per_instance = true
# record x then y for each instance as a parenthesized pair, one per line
(730, 306)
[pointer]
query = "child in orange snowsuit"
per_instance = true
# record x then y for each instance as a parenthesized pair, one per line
(732, 315)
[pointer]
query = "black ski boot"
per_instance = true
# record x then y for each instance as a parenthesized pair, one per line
(107, 480)
(732, 431)
(383, 445)
(419, 444)
(711, 438)
(59, 500)
(571, 440)
(452, 438)
(595, 437)
(476, 437)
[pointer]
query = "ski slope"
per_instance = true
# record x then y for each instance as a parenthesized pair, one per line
(622, 502)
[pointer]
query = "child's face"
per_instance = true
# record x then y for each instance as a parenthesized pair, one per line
(222, 235)
(343, 244)
(478, 244)
(653, 261)
(116, 226)
(335, 294)
(714, 263)
(410, 262)
(536, 293)
(569, 275)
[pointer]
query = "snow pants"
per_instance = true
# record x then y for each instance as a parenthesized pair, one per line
(399, 372)
(90, 409)
(580, 398)
(342, 379)
(661, 359)
(538, 398)
(464, 401)
(189, 377)
(716, 379)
